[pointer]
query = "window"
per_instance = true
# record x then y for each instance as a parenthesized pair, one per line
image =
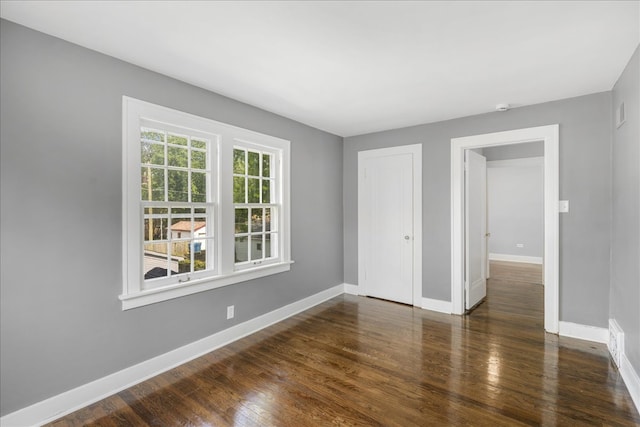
(205, 204)
(254, 194)
(176, 166)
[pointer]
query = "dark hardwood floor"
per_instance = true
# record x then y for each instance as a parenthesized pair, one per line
(361, 361)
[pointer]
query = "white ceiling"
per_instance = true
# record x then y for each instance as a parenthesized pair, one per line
(358, 67)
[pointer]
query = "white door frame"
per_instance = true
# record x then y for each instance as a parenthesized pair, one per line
(416, 151)
(550, 135)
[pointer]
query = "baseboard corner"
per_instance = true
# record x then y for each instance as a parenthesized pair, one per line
(351, 289)
(583, 332)
(436, 305)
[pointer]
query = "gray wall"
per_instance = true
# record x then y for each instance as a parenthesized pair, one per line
(515, 206)
(585, 180)
(62, 323)
(625, 241)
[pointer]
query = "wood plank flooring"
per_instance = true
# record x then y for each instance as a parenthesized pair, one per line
(366, 362)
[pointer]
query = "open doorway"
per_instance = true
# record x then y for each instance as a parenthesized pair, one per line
(550, 139)
(514, 225)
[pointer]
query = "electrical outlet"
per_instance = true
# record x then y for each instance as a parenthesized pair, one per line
(230, 312)
(519, 245)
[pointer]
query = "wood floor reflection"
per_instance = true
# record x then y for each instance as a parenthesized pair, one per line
(362, 361)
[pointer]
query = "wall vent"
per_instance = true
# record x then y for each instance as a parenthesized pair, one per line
(616, 342)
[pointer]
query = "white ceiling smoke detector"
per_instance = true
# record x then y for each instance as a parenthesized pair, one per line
(502, 107)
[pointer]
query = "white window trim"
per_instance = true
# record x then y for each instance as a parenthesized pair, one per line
(133, 294)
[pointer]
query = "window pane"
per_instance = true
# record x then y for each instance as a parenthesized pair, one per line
(180, 212)
(266, 191)
(266, 165)
(200, 254)
(178, 140)
(256, 220)
(267, 246)
(152, 185)
(180, 251)
(156, 211)
(184, 266)
(200, 264)
(199, 227)
(155, 261)
(181, 228)
(198, 187)
(194, 255)
(256, 247)
(242, 223)
(254, 190)
(145, 183)
(197, 143)
(238, 189)
(267, 219)
(151, 153)
(177, 156)
(238, 161)
(242, 250)
(254, 163)
(178, 186)
(198, 160)
(151, 135)
(155, 228)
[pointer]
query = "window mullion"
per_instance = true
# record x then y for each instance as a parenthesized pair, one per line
(166, 164)
(260, 175)
(189, 174)
(226, 206)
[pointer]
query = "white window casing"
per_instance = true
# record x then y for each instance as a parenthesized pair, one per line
(217, 211)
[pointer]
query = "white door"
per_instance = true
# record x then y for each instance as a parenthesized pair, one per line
(475, 228)
(385, 216)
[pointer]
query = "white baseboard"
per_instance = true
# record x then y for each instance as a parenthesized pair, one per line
(351, 289)
(515, 258)
(72, 400)
(583, 332)
(631, 379)
(436, 305)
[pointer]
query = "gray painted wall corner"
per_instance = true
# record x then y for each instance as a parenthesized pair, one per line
(625, 231)
(60, 151)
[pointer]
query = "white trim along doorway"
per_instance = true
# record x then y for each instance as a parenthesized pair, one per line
(390, 223)
(550, 136)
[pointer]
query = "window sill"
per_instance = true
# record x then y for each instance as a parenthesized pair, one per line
(152, 296)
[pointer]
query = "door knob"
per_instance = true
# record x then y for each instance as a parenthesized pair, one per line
(406, 237)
